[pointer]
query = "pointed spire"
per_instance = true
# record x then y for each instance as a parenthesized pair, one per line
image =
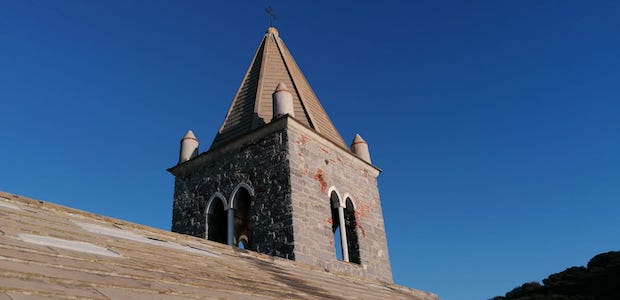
(189, 147)
(252, 106)
(282, 101)
(360, 148)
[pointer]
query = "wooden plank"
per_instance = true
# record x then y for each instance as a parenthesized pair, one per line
(30, 296)
(9, 242)
(36, 287)
(118, 293)
(66, 276)
(4, 296)
(51, 259)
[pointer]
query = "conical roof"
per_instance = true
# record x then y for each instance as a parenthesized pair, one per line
(189, 135)
(253, 106)
(356, 140)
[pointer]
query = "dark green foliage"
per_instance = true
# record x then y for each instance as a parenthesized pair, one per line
(600, 280)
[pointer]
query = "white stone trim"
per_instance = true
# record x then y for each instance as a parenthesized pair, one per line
(329, 195)
(216, 195)
(344, 202)
(233, 195)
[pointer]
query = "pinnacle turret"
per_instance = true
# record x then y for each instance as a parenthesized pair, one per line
(282, 101)
(360, 148)
(189, 147)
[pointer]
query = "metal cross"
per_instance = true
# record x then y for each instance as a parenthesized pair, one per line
(272, 16)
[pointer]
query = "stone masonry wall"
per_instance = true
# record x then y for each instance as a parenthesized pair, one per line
(291, 169)
(316, 165)
(262, 163)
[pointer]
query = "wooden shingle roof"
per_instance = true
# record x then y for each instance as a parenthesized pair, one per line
(252, 105)
(50, 251)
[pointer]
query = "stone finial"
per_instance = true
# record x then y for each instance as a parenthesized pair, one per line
(273, 30)
(360, 148)
(282, 101)
(189, 147)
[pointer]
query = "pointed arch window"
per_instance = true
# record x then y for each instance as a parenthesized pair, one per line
(216, 219)
(344, 228)
(239, 218)
(351, 229)
(334, 200)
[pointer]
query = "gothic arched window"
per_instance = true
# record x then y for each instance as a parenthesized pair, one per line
(216, 219)
(242, 225)
(351, 226)
(344, 227)
(336, 225)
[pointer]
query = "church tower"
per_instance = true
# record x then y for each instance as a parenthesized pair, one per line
(279, 179)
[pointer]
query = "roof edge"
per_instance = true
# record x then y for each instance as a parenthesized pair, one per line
(178, 237)
(276, 124)
(260, 49)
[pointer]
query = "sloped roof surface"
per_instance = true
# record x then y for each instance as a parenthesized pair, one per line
(50, 251)
(253, 105)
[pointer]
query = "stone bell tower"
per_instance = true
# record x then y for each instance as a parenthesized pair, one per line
(279, 179)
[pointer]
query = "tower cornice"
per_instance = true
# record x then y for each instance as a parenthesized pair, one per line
(275, 125)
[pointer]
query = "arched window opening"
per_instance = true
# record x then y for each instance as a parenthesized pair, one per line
(335, 203)
(242, 224)
(337, 229)
(351, 229)
(216, 221)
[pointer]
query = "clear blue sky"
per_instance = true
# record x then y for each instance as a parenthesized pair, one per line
(496, 123)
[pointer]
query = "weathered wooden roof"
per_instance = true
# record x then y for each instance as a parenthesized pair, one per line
(51, 251)
(253, 105)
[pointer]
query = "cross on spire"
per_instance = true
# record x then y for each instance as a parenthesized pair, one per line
(272, 16)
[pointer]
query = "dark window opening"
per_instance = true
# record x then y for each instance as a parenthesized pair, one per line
(243, 226)
(351, 226)
(335, 203)
(217, 225)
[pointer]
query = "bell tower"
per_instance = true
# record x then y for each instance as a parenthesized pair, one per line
(279, 179)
